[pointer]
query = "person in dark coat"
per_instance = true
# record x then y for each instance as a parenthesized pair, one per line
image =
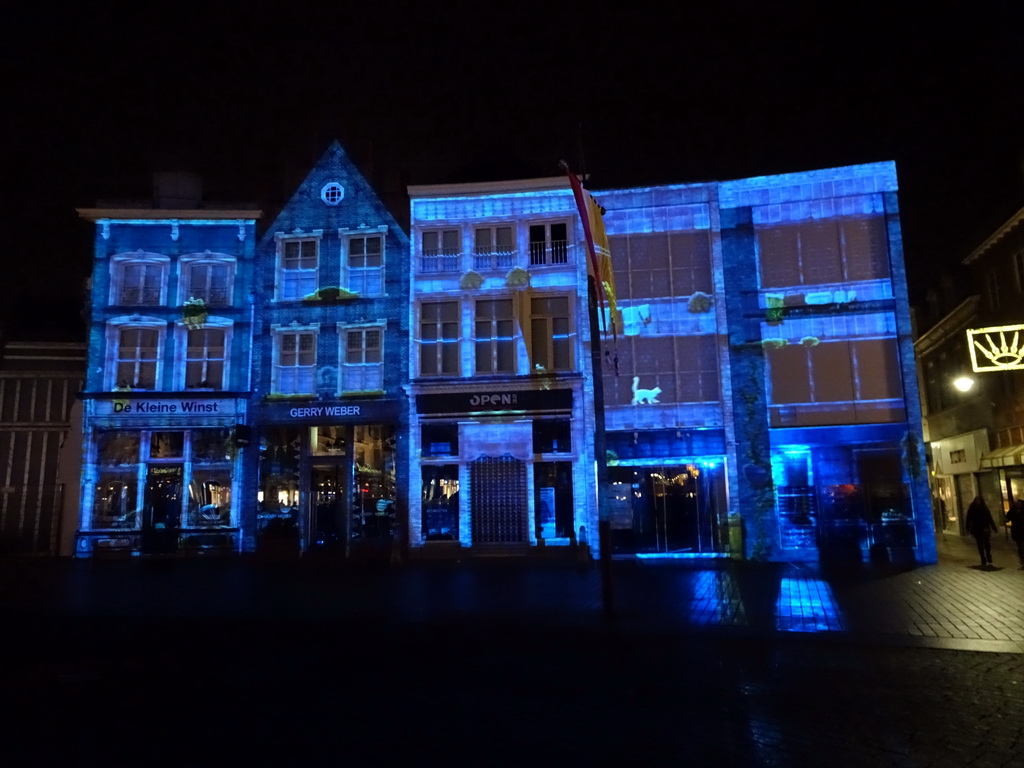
(1015, 517)
(980, 525)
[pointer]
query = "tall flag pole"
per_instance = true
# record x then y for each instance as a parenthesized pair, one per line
(600, 288)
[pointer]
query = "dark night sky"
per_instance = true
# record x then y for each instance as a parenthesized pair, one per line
(100, 98)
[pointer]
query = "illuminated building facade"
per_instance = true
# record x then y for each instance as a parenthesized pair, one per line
(331, 341)
(976, 432)
(165, 416)
(759, 396)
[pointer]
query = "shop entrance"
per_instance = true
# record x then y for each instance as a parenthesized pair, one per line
(668, 509)
(161, 509)
(498, 502)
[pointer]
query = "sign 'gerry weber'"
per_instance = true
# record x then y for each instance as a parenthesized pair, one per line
(490, 402)
(182, 407)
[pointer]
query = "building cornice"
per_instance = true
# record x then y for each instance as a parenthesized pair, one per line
(952, 323)
(470, 189)
(166, 214)
(996, 236)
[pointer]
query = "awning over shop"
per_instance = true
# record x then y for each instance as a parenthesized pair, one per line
(1003, 457)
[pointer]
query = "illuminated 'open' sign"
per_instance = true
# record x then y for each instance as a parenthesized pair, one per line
(999, 348)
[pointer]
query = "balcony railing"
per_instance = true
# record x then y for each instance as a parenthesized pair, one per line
(212, 297)
(494, 258)
(439, 260)
(550, 252)
(145, 297)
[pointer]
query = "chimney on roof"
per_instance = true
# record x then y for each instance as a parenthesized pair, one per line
(177, 190)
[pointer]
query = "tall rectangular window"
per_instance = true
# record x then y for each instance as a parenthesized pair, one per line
(366, 265)
(296, 363)
(204, 359)
(439, 338)
(441, 251)
(551, 333)
(494, 248)
(137, 355)
(549, 243)
(363, 368)
(495, 329)
(298, 268)
(141, 284)
(211, 283)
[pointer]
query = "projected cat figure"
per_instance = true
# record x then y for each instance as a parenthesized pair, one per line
(644, 396)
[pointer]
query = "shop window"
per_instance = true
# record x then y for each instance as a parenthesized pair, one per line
(373, 509)
(495, 331)
(494, 248)
(209, 498)
(278, 495)
(117, 448)
(439, 338)
(440, 498)
(366, 265)
(549, 244)
(295, 363)
(115, 502)
(363, 367)
(552, 436)
(551, 333)
(212, 445)
(439, 439)
(553, 500)
(167, 445)
(795, 498)
(329, 440)
(298, 263)
(441, 250)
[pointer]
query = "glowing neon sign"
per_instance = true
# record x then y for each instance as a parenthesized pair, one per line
(1000, 347)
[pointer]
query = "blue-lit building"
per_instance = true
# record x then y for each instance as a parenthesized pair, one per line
(759, 398)
(329, 365)
(165, 416)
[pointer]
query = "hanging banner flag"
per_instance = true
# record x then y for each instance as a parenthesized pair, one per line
(599, 255)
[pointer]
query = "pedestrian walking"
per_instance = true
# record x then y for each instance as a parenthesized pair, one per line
(1015, 519)
(980, 525)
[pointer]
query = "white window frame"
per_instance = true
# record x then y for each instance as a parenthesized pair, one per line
(362, 376)
(554, 252)
(493, 338)
(487, 255)
(366, 281)
(436, 346)
(113, 349)
(303, 279)
(120, 262)
(297, 331)
(547, 332)
(441, 258)
(192, 260)
(181, 359)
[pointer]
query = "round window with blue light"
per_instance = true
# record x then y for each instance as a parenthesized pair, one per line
(332, 193)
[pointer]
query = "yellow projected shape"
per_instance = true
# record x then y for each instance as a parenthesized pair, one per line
(999, 347)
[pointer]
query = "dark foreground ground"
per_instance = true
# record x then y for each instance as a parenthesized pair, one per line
(105, 669)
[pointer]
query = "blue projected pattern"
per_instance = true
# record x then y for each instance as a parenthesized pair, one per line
(807, 605)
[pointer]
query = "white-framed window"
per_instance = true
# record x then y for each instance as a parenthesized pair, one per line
(495, 336)
(494, 248)
(295, 361)
(209, 277)
(298, 266)
(549, 243)
(134, 356)
(551, 333)
(439, 338)
(362, 357)
(332, 193)
(441, 250)
(139, 279)
(366, 264)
